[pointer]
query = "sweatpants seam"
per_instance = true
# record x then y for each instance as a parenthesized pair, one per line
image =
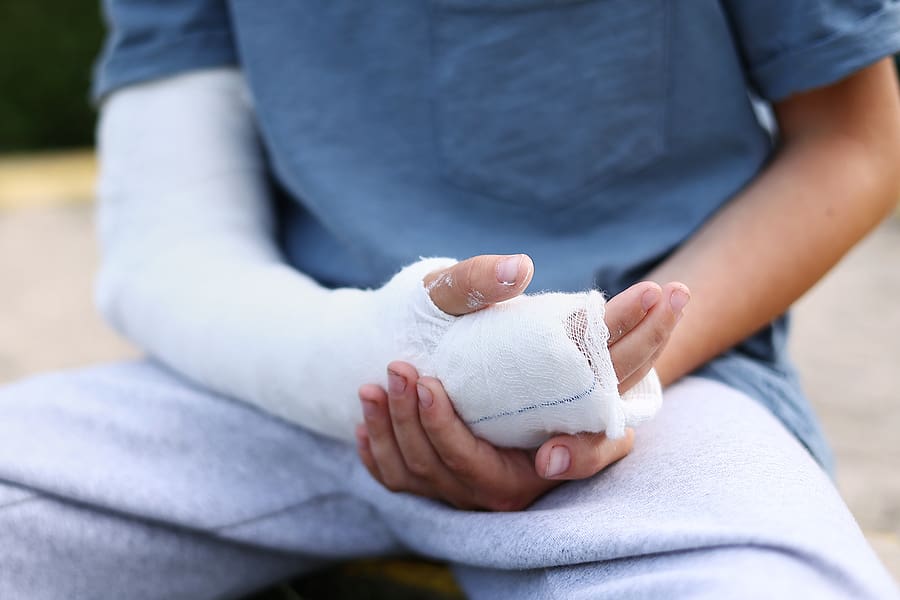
(829, 572)
(31, 494)
(277, 511)
(176, 528)
(19, 502)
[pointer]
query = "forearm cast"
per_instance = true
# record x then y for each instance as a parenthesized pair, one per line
(190, 271)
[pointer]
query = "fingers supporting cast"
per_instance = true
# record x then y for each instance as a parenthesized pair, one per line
(634, 353)
(580, 456)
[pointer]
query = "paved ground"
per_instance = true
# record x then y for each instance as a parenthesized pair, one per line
(847, 345)
(847, 340)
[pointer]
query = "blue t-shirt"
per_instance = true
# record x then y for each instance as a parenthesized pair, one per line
(595, 135)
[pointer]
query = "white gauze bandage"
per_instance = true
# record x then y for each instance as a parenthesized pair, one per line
(522, 370)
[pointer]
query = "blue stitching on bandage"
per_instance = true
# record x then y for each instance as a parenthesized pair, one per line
(524, 409)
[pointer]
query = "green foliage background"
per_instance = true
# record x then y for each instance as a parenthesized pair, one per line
(47, 50)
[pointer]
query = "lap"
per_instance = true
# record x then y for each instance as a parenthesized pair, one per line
(712, 463)
(713, 471)
(715, 475)
(52, 549)
(135, 439)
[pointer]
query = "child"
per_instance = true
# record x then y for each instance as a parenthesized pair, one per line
(611, 141)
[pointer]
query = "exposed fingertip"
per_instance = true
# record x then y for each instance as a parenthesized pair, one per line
(527, 267)
(650, 297)
(426, 398)
(430, 382)
(615, 449)
(396, 382)
(436, 412)
(428, 388)
(515, 270)
(678, 299)
(370, 392)
(402, 368)
(362, 436)
(507, 269)
(558, 462)
(370, 409)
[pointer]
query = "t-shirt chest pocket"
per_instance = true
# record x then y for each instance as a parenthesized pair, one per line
(538, 102)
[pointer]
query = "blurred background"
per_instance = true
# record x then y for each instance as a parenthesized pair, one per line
(46, 51)
(847, 330)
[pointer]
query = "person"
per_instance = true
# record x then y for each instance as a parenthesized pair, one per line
(258, 163)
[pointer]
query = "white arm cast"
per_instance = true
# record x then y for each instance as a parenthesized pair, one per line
(192, 274)
(190, 268)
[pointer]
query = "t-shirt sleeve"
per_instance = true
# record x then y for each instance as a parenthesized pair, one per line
(795, 46)
(149, 39)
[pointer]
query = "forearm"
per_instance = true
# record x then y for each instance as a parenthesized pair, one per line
(825, 189)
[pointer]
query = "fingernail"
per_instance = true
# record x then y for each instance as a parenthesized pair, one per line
(369, 409)
(650, 298)
(559, 461)
(396, 383)
(425, 397)
(678, 300)
(508, 269)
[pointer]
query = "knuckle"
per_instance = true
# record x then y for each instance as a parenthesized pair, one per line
(604, 453)
(506, 503)
(458, 465)
(464, 504)
(377, 409)
(612, 450)
(419, 468)
(467, 274)
(438, 280)
(474, 297)
(401, 414)
(393, 482)
(659, 334)
(626, 444)
(463, 498)
(436, 422)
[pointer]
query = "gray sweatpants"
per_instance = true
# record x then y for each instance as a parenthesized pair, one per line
(125, 482)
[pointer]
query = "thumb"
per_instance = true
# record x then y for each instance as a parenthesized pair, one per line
(478, 282)
(580, 456)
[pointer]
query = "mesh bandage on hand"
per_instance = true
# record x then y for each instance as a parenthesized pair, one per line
(525, 369)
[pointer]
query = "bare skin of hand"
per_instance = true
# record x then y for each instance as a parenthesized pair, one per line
(413, 441)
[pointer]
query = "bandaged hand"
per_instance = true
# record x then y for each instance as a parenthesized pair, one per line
(522, 370)
(413, 441)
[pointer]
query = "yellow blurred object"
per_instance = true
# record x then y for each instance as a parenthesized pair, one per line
(47, 179)
(416, 574)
